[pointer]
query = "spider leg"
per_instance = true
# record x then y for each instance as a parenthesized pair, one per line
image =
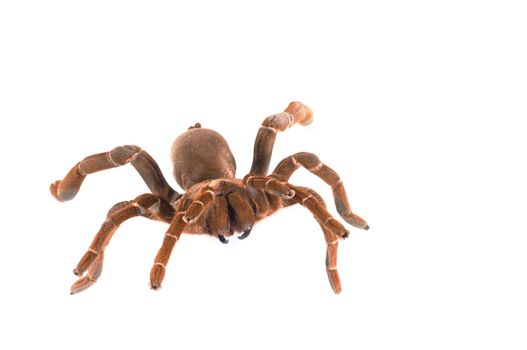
(331, 259)
(331, 247)
(312, 201)
(306, 197)
(179, 223)
(288, 192)
(67, 188)
(296, 112)
(147, 205)
(333, 230)
(94, 272)
(312, 163)
(270, 185)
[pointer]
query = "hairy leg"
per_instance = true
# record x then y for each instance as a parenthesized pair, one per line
(147, 205)
(331, 239)
(332, 229)
(181, 220)
(312, 163)
(66, 189)
(332, 242)
(312, 201)
(270, 185)
(296, 112)
(290, 194)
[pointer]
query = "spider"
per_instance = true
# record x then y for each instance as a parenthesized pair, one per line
(214, 202)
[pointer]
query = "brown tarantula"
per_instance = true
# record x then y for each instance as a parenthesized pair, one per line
(214, 202)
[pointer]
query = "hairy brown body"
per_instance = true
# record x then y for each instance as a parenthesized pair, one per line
(214, 201)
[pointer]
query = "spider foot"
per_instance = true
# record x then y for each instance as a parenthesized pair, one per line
(61, 192)
(94, 268)
(337, 228)
(357, 221)
(245, 233)
(156, 276)
(300, 112)
(67, 188)
(82, 283)
(331, 266)
(85, 262)
(53, 188)
(334, 281)
(223, 239)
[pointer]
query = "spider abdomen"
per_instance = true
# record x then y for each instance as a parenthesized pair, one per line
(201, 154)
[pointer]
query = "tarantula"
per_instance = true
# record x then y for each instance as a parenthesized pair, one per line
(214, 201)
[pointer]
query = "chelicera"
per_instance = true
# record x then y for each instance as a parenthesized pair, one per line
(214, 202)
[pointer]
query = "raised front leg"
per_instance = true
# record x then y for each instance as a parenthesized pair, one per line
(296, 112)
(146, 166)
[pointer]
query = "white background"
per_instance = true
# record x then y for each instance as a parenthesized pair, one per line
(418, 105)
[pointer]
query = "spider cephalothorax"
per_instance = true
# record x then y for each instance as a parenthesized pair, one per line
(214, 201)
